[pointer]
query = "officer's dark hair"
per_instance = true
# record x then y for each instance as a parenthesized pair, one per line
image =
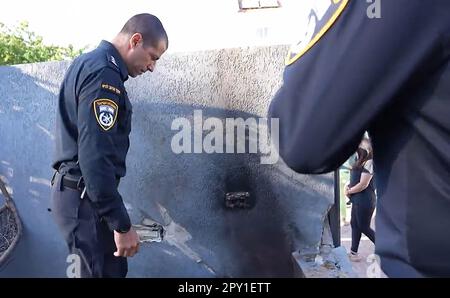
(149, 26)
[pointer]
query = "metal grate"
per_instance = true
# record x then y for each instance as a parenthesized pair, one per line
(8, 229)
(10, 225)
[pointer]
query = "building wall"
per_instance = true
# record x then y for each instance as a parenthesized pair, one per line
(183, 192)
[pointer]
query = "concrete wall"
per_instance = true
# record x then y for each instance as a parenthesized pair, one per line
(183, 192)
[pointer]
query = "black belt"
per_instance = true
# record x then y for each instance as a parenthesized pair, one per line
(71, 183)
(77, 184)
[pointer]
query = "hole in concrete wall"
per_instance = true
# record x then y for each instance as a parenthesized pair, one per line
(239, 199)
(238, 189)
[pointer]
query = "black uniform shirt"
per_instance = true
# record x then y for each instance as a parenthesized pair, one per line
(93, 126)
(390, 76)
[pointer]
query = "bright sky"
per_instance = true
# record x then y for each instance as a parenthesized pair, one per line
(190, 24)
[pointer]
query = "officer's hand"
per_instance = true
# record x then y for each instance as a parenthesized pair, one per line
(127, 243)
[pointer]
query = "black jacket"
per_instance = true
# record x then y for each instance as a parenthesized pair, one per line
(92, 127)
(390, 76)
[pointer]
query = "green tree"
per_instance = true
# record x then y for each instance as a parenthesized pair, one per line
(20, 45)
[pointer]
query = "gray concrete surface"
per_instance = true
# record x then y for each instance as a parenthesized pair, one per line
(333, 263)
(185, 192)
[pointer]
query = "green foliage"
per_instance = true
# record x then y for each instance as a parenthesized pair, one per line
(20, 45)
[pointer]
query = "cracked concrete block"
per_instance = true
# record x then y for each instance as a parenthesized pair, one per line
(334, 264)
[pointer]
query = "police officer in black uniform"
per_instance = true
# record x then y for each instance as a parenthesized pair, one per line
(92, 128)
(390, 75)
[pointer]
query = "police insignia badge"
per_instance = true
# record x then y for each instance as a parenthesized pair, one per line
(113, 61)
(106, 113)
(323, 15)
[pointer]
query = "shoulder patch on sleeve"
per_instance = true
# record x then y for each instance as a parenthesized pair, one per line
(323, 15)
(105, 112)
(111, 88)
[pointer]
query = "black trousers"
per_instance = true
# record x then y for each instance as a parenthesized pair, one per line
(362, 212)
(87, 236)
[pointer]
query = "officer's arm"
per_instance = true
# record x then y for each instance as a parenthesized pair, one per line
(97, 107)
(335, 91)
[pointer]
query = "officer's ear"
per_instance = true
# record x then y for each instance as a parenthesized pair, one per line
(135, 39)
